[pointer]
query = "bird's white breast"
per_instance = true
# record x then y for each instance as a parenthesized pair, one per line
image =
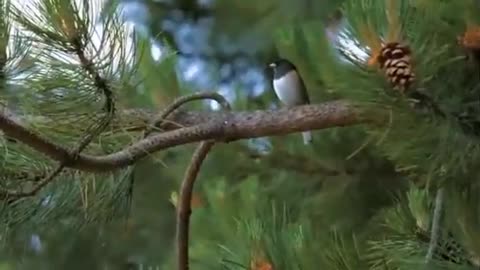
(287, 89)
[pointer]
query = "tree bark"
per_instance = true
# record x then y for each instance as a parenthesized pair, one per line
(194, 126)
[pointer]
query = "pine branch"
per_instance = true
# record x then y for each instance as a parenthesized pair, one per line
(176, 104)
(13, 194)
(184, 206)
(183, 100)
(109, 106)
(99, 82)
(201, 126)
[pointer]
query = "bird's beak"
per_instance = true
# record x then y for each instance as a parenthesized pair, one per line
(272, 65)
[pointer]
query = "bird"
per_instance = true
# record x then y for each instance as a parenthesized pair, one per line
(290, 88)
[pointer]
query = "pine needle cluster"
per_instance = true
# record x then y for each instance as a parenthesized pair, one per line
(64, 65)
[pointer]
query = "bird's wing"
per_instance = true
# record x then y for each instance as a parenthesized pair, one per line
(303, 90)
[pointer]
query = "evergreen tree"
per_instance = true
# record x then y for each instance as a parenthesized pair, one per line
(427, 137)
(397, 191)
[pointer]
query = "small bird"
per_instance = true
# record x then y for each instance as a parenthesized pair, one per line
(290, 88)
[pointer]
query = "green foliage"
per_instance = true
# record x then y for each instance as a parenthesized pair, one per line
(277, 232)
(425, 147)
(347, 202)
(159, 80)
(61, 93)
(437, 60)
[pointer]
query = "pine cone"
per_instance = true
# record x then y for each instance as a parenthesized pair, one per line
(261, 265)
(470, 40)
(451, 251)
(395, 60)
(448, 248)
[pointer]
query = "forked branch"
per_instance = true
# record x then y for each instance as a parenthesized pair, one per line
(175, 105)
(184, 206)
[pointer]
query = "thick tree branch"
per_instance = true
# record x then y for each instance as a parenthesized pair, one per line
(200, 126)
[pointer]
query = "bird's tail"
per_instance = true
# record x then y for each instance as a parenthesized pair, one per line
(307, 137)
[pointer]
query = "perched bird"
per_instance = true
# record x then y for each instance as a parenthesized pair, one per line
(290, 88)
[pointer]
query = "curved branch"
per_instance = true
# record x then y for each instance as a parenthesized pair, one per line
(175, 105)
(201, 126)
(183, 100)
(184, 206)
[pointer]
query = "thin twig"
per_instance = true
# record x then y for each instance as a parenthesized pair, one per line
(12, 195)
(99, 81)
(184, 205)
(183, 100)
(435, 231)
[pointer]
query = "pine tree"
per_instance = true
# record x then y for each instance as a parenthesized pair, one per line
(418, 63)
(396, 192)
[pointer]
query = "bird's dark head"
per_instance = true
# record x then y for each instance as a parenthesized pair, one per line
(281, 67)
